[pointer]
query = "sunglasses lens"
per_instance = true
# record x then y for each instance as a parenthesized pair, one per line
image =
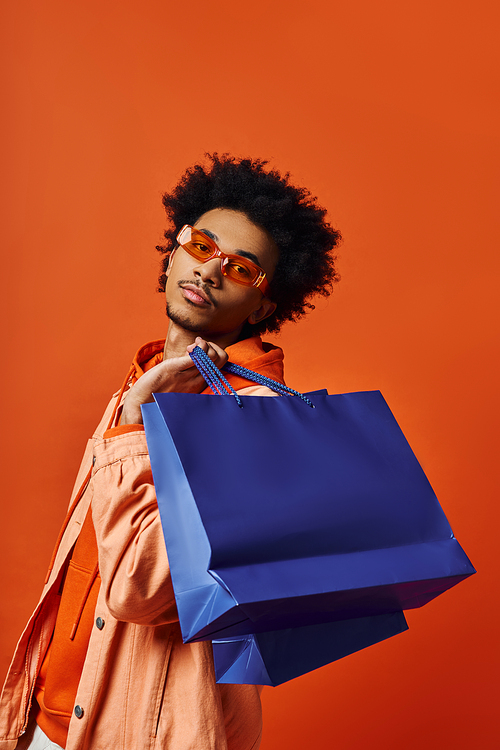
(198, 249)
(241, 271)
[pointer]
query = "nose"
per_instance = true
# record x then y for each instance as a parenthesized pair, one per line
(209, 272)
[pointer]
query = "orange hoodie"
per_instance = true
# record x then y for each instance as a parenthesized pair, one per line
(57, 682)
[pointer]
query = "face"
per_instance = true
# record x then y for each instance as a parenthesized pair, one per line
(200, 299)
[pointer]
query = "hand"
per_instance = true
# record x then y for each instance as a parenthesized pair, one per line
(178, 375)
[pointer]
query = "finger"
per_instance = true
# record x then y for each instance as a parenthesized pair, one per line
(187, 363)
(197, 342)
(211, 349)
(216, 354)
(220, 356)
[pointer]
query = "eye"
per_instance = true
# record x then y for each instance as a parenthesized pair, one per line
(240, 269)
(201, 248)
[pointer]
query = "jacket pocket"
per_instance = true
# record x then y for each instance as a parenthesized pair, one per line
(162, 686)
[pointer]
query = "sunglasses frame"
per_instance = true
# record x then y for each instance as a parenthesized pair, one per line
(260, 282)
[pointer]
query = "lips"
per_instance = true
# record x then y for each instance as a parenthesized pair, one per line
(195, 295)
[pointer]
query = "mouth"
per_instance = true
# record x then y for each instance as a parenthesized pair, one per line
(195, 295)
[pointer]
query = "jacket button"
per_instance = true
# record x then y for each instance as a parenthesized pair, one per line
(99, 623)
(93, 460)
(78, 712)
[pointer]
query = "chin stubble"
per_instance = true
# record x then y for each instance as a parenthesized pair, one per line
(184, 321)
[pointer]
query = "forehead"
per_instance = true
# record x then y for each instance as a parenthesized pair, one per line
(233, 231)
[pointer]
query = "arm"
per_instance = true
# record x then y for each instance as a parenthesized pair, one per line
(132, 557)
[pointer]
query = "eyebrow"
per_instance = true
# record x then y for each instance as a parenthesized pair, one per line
(243, 253)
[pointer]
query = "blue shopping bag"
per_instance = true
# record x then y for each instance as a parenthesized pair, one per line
(291, 525)
(274, 657)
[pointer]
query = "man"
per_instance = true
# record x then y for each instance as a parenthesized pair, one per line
(101, 664)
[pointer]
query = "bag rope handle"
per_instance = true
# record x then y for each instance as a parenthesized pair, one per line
(212, 375)
(215, 379)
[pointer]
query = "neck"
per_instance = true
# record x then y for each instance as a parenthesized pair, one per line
(178, 339)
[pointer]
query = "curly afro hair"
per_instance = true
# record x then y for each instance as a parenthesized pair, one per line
(291, 215)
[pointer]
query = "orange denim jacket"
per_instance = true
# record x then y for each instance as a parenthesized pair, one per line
(141, 688)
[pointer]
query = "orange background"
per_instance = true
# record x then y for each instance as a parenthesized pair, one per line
(386, 111)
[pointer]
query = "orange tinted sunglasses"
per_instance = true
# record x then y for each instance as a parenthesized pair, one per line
(235, 267)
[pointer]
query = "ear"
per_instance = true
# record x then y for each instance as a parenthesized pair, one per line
(170, 259)
(264, 311)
